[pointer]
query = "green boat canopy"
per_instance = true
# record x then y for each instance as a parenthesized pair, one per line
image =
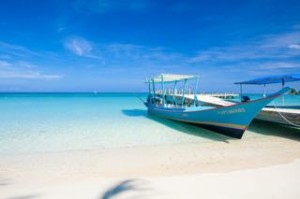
(171, 78)
(273, 79)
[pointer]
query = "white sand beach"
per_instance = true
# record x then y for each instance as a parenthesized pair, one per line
(149, 99)
(262, 167)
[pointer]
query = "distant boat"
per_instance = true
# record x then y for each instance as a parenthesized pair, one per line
(231, 120)
(284, 113)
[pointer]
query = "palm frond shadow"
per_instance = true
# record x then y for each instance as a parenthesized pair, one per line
(122, 187)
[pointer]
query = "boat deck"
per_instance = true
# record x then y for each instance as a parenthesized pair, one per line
(209, 99)
(287, 116)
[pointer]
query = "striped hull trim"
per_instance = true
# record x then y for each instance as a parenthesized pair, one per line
(235, 131)
(231, 132)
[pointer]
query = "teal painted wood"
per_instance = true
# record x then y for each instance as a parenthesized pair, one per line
(231, 120)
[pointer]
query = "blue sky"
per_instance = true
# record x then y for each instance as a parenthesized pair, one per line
(106, 45)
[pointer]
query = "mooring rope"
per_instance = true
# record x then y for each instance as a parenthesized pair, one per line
(140, 99)
(291, 123)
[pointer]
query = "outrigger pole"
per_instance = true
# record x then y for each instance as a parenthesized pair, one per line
(174, 99)
(183, 91)
(195, 91)
(162, 89)
(241, 91)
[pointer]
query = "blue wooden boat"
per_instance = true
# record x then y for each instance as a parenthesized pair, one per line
(284, 113)
(231, 120)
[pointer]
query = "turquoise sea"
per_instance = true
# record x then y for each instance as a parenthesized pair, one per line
(55, 122)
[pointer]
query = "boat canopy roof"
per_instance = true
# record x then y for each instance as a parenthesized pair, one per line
(171, 78)
(273, 79)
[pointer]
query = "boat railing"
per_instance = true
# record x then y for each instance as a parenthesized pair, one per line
(225, 95)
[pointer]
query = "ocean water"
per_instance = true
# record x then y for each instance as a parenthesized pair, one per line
(56, 122)
(31, 123)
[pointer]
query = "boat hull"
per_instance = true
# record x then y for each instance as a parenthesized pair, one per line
(231, 120)
(290, 117)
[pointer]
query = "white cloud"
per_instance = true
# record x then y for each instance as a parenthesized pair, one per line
(4, 64)
(27, 75)
(280, 40)
(104, 6)
(23, 70)
(294, 46)
(137, 53)
(279, 66)
(267, 47)
(16, 50)
(15, 64)
(267, 55)
(79, 46)
(61, 29)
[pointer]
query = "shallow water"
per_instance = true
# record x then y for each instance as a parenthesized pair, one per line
(38, 122)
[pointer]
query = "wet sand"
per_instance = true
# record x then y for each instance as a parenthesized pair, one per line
(256, 167)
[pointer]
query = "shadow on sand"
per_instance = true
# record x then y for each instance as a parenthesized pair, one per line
(273, 129)
(5, 181)
(179, 126)
(122, 187)
(26, 196)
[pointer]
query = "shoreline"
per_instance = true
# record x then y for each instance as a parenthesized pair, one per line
(172, 159)
(61, 172)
